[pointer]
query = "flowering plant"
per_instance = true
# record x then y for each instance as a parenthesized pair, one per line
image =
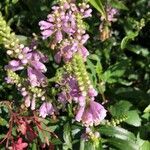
(64, 79)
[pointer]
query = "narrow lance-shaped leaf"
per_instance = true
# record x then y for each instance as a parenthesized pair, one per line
(99, 6)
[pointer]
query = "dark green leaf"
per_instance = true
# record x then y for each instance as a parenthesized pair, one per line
(118, 4)
(114, 73)
(34, 146)
(128, 38)
(122, 144)
(99, 6)
(117, 132)
(67, 137)
(133, 118)
(3, 122)
(120, 108)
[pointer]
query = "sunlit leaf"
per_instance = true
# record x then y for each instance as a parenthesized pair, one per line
(99, 6)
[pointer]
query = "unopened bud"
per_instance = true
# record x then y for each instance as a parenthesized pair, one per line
(17, 50)
(21, 46)
(20, 56)
(43, 98)
(9, 52)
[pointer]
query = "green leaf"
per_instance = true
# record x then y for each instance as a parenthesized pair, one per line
(133, 118)
(114, 73)
(91, 67)
(15, 1)
(120, 108)
(128, 38)
(147, 109)
(91, 145)
(3, 122)
(122, 144)
(99, 6)
(117, 132)
(137, 49)
(14, 131)
(56, 141)
(34, 147)
(118, 4)
(75, 129)
(22, 39)
(67, 137)
(2, 136)
(146, 116)
(95, 66)
(145, 146)
(41, 136)
(82, 144)
(123, 108)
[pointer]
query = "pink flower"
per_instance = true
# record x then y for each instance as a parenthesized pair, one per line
(84, 52)
(57, 57)
(92, 114)
(35, 77)
(45, 25)
(33, 104)
(111, 13)
(46, 109)
(72, 92)
(87, 13)
(64, 24)
(39, 66)
(27, 101)
(80, 113)
(15, 65)
(58, 37)
(85, 10)
(63, 98)
(92, 92)
(19, 145)
(47, 33)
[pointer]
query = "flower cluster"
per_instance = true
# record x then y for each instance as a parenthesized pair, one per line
(46, 109)
(31, 88)
(88, 111)
(9, 39)
(66, 28)
(66, 20)
(26, 69)
(33, 60)
(111, 14)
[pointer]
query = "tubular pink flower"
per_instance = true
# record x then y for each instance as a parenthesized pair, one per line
(36, 78)
(46, 109)
(15, 65)
(92, 114)
(45, 25)
(27, 101)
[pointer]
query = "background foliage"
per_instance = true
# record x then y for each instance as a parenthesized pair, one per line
(118, 66)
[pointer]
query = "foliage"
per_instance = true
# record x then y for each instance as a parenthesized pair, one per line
(118, 67)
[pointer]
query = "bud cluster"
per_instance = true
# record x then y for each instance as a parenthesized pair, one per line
(11, 42)
(116, 121)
